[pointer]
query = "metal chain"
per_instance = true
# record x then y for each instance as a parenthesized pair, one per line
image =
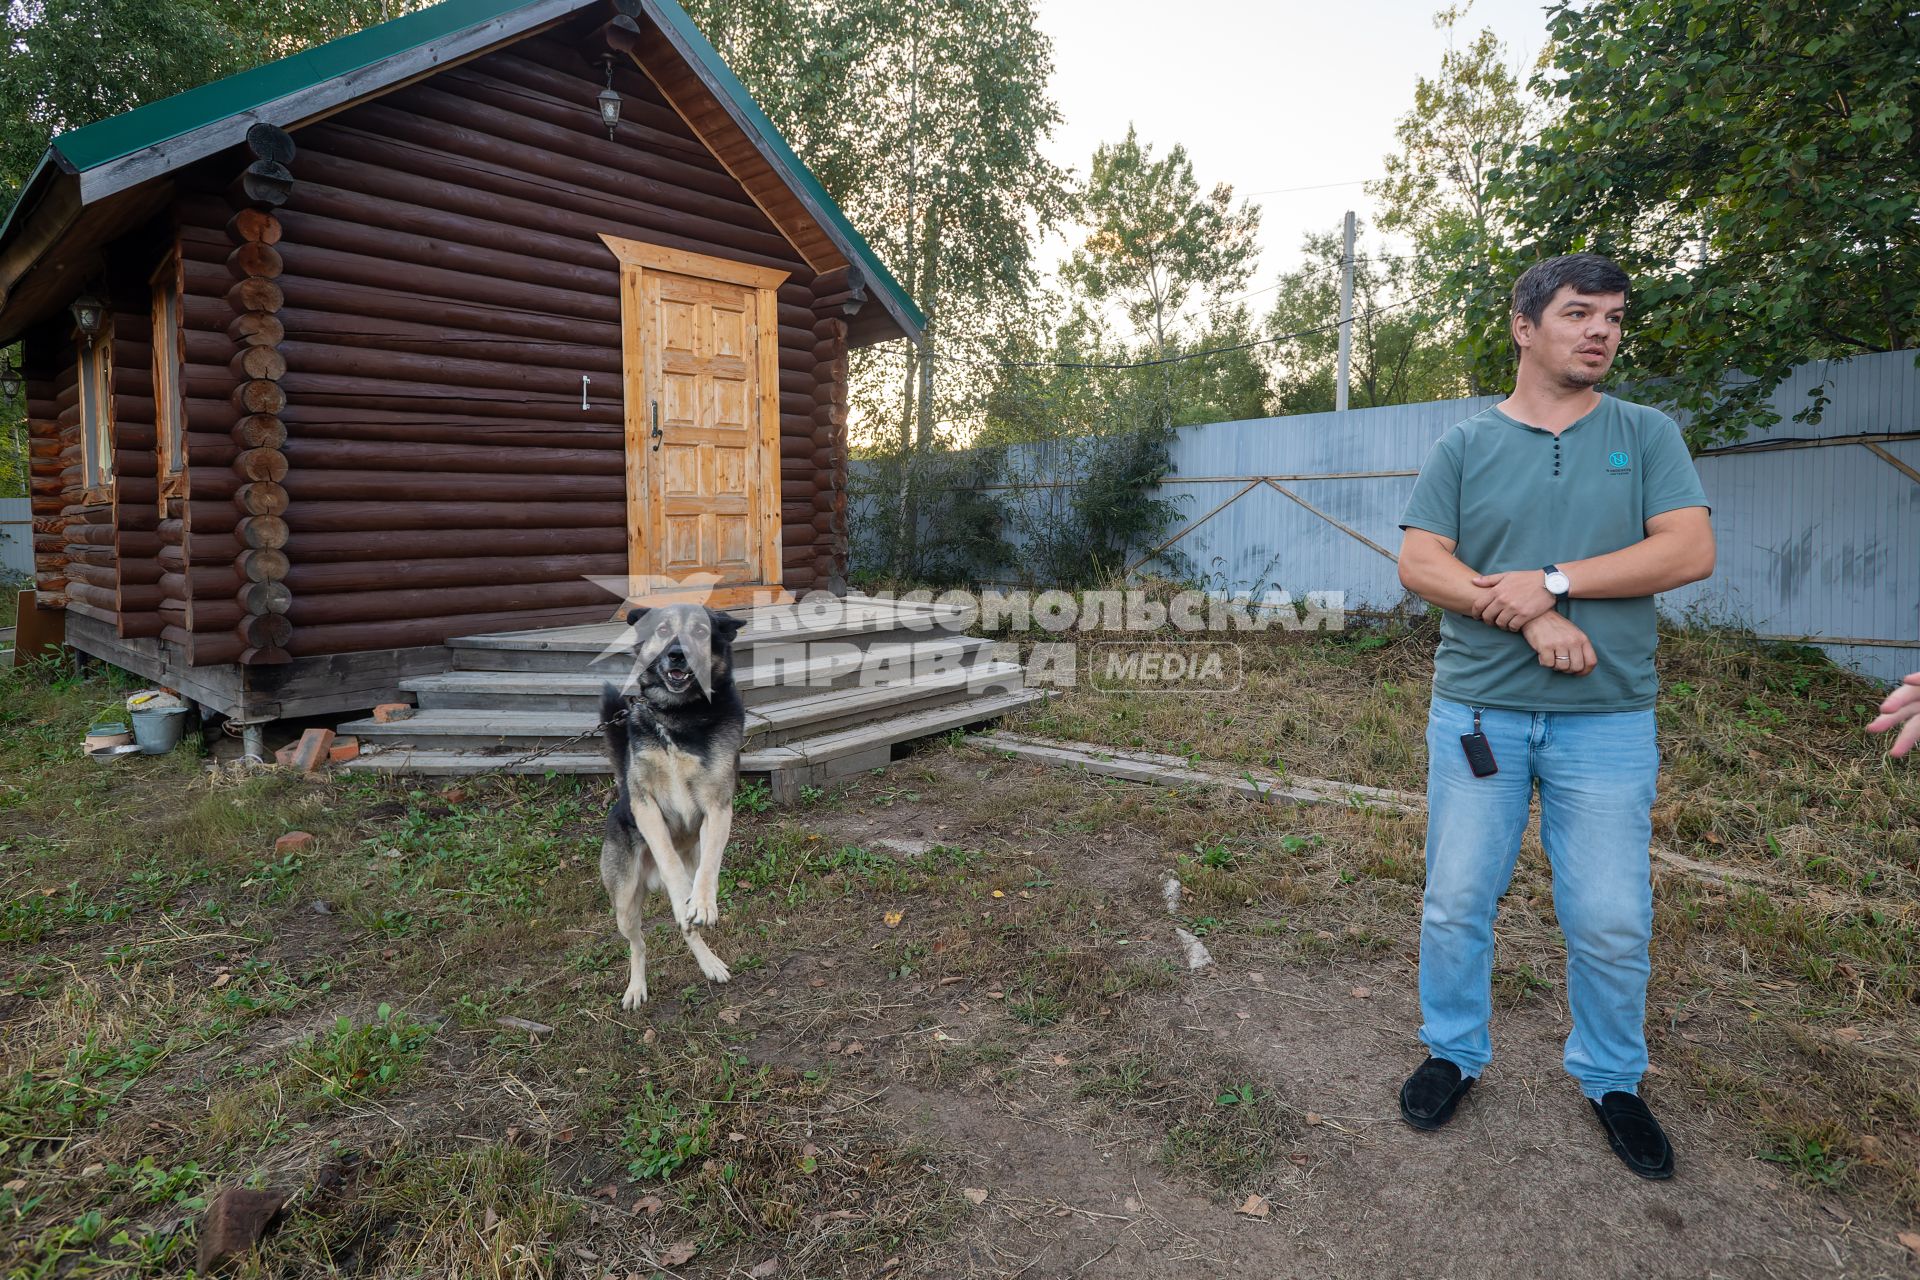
(535, 754)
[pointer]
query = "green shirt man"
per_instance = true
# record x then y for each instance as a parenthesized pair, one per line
(1543, 528)
(1514, 497)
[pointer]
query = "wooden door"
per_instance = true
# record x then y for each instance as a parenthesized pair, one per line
(702, 384)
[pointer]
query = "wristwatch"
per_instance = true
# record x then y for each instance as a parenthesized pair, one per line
(1557, 581)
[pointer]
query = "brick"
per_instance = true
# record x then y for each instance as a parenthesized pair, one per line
(285, 754)
(312, 750)
(234, 1223)
(294, 842)
(343, 750)
(388, 712)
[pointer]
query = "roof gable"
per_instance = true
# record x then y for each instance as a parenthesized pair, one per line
(108, 160)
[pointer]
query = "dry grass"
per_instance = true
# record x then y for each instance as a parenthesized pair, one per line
(1767, 779)
(183, 1009)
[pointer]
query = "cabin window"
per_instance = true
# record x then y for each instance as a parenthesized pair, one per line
(96, 412)
(169, 404)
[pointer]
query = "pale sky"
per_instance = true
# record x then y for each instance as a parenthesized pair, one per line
(1265, 96)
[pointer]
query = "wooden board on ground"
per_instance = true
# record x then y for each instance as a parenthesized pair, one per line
(1175, 771)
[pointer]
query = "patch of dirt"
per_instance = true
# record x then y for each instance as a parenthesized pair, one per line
(1521, 1184)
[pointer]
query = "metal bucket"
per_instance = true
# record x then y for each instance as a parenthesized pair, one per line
(158, 731)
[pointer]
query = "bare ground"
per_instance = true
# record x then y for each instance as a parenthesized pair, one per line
(962, 1039)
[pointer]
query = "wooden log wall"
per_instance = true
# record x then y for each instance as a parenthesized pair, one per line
(197, 613)
(441, 289)
(133, 577)
(261, 601)
(77, 544)
(51, 379)
(830, 453)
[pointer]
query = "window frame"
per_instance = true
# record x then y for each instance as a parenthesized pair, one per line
(95, 370)
(169, 372)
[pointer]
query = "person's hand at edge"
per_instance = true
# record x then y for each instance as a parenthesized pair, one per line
(1902, 707)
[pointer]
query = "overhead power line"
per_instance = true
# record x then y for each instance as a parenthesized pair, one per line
(1190, 355)
(1318, 186)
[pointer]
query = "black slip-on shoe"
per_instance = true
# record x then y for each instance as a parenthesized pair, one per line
(1431, 1093)
(1636, 1137)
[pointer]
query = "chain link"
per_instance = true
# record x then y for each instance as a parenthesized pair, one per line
(501, 769)
(558, 746)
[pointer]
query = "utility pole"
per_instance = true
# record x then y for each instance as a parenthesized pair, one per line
(1346, 319)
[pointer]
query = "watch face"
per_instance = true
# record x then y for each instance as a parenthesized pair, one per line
(1557, 583)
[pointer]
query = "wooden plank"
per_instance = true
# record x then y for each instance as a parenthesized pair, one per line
(1176, 771)
(858, 745)
(1895, 463)
(216, 687)
(852, 615)
(767, 484)
(687, 92)
(701, 266)
(1347, 529)
(341, 682)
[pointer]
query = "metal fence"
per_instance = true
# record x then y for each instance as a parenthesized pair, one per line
(1818, 526)
(16, 538)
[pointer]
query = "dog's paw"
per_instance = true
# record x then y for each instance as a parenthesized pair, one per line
(715, 968)
(700, 911)
(635, 996)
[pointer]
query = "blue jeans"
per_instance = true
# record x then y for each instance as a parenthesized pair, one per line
(1596, 774)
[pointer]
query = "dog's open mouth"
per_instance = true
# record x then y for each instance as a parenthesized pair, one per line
(677, 679)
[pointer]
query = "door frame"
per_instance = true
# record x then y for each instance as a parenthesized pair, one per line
(637, 257)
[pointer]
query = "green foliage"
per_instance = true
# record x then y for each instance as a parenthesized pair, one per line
(42, 1104)
(1398, 356)
(68, 63)
(360, 1059)
(668, 1129)
(1810, 1159)
(1155, 242)
(955, 530)
(1752, 167)
(925, 122)
(1464, 125)
(661, 1137)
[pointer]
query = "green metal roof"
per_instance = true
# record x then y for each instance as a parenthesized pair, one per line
(122, 135)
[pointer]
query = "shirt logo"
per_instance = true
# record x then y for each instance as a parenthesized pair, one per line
(1617, 462)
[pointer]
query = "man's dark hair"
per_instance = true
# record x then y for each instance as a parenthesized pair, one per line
(1586, 272)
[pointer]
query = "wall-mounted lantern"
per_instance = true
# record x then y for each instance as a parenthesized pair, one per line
(88, 311)
(9, 380)
(609, 100)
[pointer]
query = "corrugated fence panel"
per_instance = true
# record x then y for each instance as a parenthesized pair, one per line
(16, 537)
(1818, 542)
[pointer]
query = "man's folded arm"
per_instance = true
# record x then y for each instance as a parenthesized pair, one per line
(1430, 570)
(1678, 549)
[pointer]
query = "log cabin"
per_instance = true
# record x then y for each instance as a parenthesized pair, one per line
(427, 333)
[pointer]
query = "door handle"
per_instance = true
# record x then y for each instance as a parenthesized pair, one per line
(656, 426)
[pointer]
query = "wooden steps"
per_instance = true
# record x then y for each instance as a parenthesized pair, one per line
(827, 695)
(770, 677)
(789, 766)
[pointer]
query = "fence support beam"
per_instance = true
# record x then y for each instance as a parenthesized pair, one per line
(1347, 529)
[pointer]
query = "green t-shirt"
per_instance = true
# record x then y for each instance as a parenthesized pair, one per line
(1513, 496)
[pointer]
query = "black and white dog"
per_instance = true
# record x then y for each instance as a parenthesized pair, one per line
(675, 738)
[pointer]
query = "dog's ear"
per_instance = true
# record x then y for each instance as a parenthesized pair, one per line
(725, 624)
(638, 612)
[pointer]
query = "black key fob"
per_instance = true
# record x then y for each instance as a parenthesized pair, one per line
(1479, 754)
